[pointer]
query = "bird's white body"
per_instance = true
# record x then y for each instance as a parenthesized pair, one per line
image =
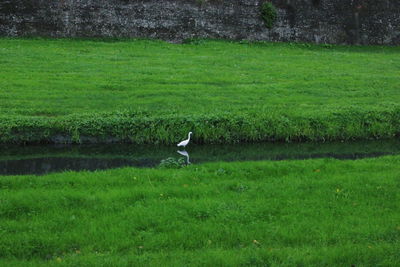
(185, 142)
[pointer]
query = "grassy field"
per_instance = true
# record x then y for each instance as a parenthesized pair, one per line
(292, 213)
(320, 212)
(150, 91)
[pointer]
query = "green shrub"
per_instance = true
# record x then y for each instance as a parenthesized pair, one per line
(269, 14)
(172, 163)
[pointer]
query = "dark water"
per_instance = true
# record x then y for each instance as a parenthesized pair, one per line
(17, 160)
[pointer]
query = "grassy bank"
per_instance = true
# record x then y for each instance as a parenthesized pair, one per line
(311, 213)
(151, 91)
(212, 128)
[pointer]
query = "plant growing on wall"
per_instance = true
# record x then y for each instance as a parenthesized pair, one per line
(269, 14)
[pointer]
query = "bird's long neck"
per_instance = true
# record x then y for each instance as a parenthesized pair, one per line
(188, 136)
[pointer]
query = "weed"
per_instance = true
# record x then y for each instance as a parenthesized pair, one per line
(269, 14)
(172, 163)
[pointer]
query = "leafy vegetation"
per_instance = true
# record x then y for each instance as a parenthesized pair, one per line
(150, 91)
(269, 14)
(290, 213)
(172, 163)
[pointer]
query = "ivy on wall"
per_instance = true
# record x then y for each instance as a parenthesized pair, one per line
(269, 14)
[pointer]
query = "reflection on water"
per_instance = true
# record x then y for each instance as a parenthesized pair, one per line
(185, 154)
(15, 160)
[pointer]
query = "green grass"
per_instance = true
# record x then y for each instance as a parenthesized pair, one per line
(150, 91)
(291, 213)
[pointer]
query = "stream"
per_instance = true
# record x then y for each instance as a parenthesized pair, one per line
(42, 159)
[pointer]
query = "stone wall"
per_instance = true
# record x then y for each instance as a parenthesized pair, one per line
(319, 21)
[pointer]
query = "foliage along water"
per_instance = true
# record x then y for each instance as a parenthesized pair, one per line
(42, 159)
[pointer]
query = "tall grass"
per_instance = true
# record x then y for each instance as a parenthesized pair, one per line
(213, 128)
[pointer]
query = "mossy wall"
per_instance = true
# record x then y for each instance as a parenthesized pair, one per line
(319, 21)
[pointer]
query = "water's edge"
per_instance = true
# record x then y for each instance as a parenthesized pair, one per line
(42, 159)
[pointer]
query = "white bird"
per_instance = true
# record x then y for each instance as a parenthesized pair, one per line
(185, 142)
